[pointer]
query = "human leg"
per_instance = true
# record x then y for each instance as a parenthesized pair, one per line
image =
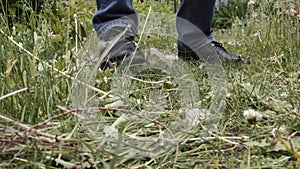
(112, 13)
(194, 25)
(114, 18)
(194, 22)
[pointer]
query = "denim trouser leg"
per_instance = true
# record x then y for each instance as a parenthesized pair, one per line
(113, 13)
(194, 23)
(193, 17)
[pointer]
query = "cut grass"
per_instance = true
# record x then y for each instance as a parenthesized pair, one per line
(39, 131)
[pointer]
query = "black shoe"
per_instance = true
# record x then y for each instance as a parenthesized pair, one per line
(228, 57)
(123, 53)
(218, 48)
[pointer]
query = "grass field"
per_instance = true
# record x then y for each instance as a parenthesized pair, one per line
(42, 108)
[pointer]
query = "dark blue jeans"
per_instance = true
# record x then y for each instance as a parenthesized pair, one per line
(194, 20)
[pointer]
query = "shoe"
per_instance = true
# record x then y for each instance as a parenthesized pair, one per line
(228, 57)
(123, 53)
(189, 55)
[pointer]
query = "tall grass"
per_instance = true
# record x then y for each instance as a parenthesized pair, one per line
(39, 129)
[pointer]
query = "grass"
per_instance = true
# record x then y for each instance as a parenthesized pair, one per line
(40, 113)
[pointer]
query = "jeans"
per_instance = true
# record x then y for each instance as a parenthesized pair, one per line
(193, 23)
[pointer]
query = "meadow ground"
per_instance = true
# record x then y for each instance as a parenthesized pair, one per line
(42, 109)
